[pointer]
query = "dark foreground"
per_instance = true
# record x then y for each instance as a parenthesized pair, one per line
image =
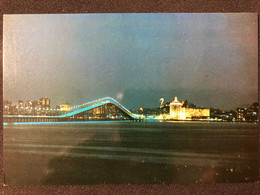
(130, 152)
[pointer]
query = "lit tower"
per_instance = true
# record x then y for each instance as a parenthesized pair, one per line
(175, 108)
(162, 99)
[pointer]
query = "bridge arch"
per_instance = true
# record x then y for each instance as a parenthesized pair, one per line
(102, 109)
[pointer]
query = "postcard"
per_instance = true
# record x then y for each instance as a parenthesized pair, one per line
(147, 98)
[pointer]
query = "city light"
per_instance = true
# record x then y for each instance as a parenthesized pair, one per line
(176, 111)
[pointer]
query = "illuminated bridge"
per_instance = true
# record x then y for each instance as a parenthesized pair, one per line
(102, 109)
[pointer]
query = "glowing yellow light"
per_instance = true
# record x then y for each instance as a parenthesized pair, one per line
(182, 115)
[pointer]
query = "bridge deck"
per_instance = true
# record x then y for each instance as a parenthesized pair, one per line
(65, 117)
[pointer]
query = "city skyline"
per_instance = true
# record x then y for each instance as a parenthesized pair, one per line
(207, 59)
(31, 103)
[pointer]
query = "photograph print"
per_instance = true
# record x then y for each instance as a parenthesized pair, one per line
(147, 98)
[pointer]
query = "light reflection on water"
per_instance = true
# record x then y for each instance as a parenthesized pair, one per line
(67, 153)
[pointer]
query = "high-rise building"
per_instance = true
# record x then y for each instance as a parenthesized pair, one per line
(45, 103)
(28, 107)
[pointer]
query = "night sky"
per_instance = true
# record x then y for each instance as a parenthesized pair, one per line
(210, 60)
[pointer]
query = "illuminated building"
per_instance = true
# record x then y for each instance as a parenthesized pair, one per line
(178, 111)
(252, 112)
(28, 108)
(45, 102)
(248, 114)
(28, 104)
(241, 114)
(7, 107)
(21, 107)
(65, 107)
(36, 104)
(21, 103)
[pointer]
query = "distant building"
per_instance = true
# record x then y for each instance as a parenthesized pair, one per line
(45, 103)
(21, 103)
(252, 112)
(28, 104)
(249, 114)
(35, 108)
(221, 115)
(7, 107)
(148, 111)
(241, 112)
(65, 107)
(36, 104)
(178, 111)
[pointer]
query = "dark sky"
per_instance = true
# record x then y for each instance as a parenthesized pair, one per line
(208, 59)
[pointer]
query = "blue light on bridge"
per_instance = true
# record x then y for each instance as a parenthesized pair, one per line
(66, 122)
(82, 110)
(91, 105)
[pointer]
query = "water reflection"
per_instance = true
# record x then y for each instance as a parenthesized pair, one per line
(137, 153)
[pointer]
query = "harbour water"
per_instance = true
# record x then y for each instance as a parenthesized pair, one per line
(130, 153)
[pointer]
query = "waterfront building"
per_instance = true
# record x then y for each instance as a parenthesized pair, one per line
(65, 107)
(21, 103)
(28, 107)
(165, 108)
(149, 111)
(252, 112)
(21, 107)
(222, 115)
(45, 103)
(248, 114)
(179, 111)
(176, 110)
(241, 114)
(7, 107)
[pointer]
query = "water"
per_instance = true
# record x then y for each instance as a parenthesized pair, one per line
(130, 152)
